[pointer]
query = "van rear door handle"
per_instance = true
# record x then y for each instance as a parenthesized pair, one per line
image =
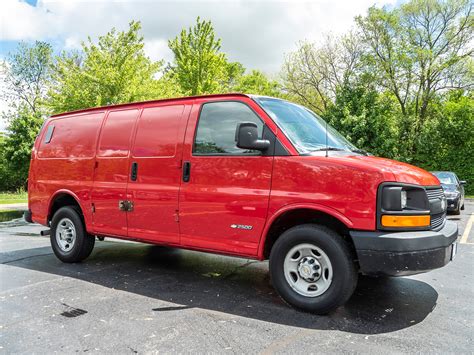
(186, 171)
(133, 174)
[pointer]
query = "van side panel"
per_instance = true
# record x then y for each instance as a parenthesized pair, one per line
(157, 153)
(65, 163)
(112, 171)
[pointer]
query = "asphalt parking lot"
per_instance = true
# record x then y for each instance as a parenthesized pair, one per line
(137, 298)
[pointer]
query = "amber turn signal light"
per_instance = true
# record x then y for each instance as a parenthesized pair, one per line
(405, 221)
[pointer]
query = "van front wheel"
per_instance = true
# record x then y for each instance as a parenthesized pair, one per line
(312, 268)
(69, 239)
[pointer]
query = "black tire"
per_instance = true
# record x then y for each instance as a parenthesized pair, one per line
(84, 243)
(457, 211)
(345, 273)
(462, 207)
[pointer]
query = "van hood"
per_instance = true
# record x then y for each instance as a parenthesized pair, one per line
(393, 170)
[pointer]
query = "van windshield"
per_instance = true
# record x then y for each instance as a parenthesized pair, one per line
(305, 129)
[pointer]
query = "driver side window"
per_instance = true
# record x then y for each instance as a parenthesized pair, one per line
(216, 128)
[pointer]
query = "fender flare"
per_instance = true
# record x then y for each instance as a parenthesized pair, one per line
(74, 196)
(295, 206)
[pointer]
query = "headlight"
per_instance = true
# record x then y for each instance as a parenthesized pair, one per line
(402, 206)
(403, 199)
(451, 194)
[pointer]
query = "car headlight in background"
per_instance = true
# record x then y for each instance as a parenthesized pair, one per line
(402, 206)
(451, 194)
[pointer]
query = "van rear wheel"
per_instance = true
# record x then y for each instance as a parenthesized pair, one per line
(69, 239)
(312, 268)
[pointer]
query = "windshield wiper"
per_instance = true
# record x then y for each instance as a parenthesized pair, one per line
(328, 148)
(361, 151)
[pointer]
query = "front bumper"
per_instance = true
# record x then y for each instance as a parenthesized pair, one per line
(452, 203)
(404, 253)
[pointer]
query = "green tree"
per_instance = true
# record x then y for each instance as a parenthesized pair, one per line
(115, 70)
(446, 141)
(16, 147)
(418, 51)
(365, 118)
(257, 83)
(313, 73)
(199, 67)
(233, 72)
(26, 73)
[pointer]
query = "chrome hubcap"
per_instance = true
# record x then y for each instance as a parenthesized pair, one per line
(308, 270)
(65, 234)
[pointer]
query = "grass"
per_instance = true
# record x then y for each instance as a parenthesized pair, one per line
(13, 197)
(8, 215)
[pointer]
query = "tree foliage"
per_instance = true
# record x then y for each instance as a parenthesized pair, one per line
(115, 70)
(26, 73)
(366, 119)
(15, 148)
(313, 74)
(418, 50)
(257, 83)
(446, 141)
(199, 66)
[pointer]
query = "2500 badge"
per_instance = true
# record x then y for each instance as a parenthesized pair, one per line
(240, 226)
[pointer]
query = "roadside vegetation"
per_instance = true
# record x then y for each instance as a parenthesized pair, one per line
(8, 215)
(399, 85)
(13, 197)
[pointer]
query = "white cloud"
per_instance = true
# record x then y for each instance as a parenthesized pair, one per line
(157, 49)
(72, 43)
(256, 33)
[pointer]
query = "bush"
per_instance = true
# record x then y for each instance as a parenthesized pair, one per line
(447, 142)
(16, 148)
(366, 119)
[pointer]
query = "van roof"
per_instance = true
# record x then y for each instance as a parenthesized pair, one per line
(131, 104)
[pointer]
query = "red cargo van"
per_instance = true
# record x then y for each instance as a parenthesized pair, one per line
(249, 176)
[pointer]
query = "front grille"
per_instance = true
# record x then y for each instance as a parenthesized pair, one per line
(437, 220)
(434, 195)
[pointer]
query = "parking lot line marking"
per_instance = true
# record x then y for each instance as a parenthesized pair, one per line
(467, 230)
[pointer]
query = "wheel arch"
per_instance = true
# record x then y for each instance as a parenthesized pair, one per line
(62, 198)
(293, 215)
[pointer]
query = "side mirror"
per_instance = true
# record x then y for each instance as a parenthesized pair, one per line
(463, 182)
(246, 136)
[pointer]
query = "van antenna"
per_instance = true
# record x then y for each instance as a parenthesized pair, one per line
(327, 147)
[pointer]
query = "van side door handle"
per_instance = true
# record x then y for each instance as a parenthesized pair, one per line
(133, 174)
(186, 171)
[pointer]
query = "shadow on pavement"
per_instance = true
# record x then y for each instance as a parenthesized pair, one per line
(233, 286)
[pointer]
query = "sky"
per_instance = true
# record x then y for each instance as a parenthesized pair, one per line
(255, 33)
